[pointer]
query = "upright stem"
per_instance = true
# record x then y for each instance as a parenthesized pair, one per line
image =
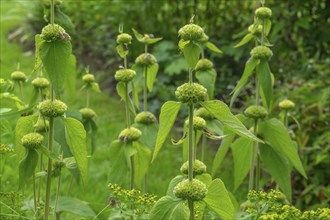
(21, 91)
(146, 48)
(125, 62)
(191, 208)
(254, 151)
(35, 196)
(258, 168)
(286, 118)
(190, 142)
(56, 215)
(49, 169)
(203, 148)
(87, 98)
(190, 76)
(128, 120)
(52, 12)
(195, 144)
(145, 101)
(132, 172)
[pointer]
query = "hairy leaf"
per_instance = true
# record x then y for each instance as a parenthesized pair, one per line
(169, 208)
(212, 47)
(151, 75)
(173, 183)
(141, 162)
(265, 83)
(75, 206)
(245, 40)
(207, 79)
(27, 166)
(191, 53)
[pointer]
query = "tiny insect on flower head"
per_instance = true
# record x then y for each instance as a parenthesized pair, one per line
(53, 33)
(191, 32)
(263, 13)
(261, 52)
(125, 75)
(18, 76)
(198, 168)
(145, 118)
(256, 112)
(130, 134)
(194, 190)
(52, 109)
(32, 140)
(191, 93)
(40, 83)
(124, 39)
(204, 65)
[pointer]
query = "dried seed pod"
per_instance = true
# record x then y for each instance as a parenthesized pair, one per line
(194, 190)
(40, 83)
(261, 52)
(146, 59)
(191, 32)
(256, 112)
(286, 104)
(203, 65)
(263, 13)
(145, 118)
(32, 140)
(87, 113)
(124, 39)
(125, 75)
(198, 168)
(130, 134)
(18, 76)
(52, 109)
(191, 93)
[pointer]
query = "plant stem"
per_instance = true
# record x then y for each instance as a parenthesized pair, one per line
(258, 168)
(286, 118)
(190, 76)
(191, 208)
(40, 179)
(195, 144)
(128, 120)
(145, 91)
(52, 12)
(49, 169)
(21, 91)
(70, 184)
(56, 215)
(87, 98)
(35, 195)
(191, 143)
(132, 172)
(125, 62)
(254, 151)
(203, 148)
(107, 206)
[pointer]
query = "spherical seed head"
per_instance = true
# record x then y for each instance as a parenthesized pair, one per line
(198, 123)
(41, 125)
(145, 118)
(88, 78)
(54, 32)
(124, 38)
(40, 83)
(18, 76)
(263, 13)
(203, 113)
(256, 112)
(125, 75)
(191, 93)
(58, 164)
(203, 65)
(52, 109)
(130, 134)
(198, 168)
(194, 190)
(255, 29)
(87, 113)
(32, 140)
(261, 52)
(191, 32)
(286, 104)
(146, 59)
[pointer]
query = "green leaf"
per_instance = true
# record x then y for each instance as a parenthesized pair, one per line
(173, 183)
(138, 36)
(212, 47)
(169, 208)
(153, 40)
(191, 53)
(205, 178)
(276, 135)
(76, 139)
(249, 67)
(167, 117)
(242, 152)
(121, 90)
(245, 40)
(27, 167)
(135, 95)
(75, 206)
(95, 87)
(268, 26)
(222, 151)
(141, 162)
(278, 167)
(265, 83)
(180, 141)
(217, 199)
(221, 111)
(119, 168)
(37, 60)
(149, 133)
(122, 50)
(63, 20)
(24, 125)
(183, 43)
(151, 75)
(207, 79)
(70, 82)
(6, 115)
(55, 58)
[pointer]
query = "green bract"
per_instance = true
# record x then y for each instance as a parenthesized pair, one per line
(52, 109)
(87, 113)
(204, 39)
(203, 113)
(255, 29)
(198, 123)
(88, 78)
(145, 118)
(194, 190)
(41, 125)
(40, 83)
(32, 140)
(18, 76)
(263, 13)
(198, 168)
(204, 64)
(129, 134)
(125, 75)
(256, 112)
(286, 104)
(261, 52)
(53, 33)
(124, 38)
(191, 32)
(191, 93)
(146, 59)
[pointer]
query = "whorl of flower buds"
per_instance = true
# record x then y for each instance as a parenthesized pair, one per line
(191, 93)
(198, 123)
(18, 76)
(52, 109)
(204, 65)
(204, 113)
(87, 113)
(40, 83)
(256, 112)
(32, 140)
(124, 39)
(198, 168)
(130, 134)
(146, 59)
(88, 78)
(263, 13)
(191, 32)
(125, 75)
(54, 32)
(145, 118)
(261, 52)
(194, 190)
(286, 104)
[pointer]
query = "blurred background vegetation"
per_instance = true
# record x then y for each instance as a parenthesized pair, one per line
(301, 64)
